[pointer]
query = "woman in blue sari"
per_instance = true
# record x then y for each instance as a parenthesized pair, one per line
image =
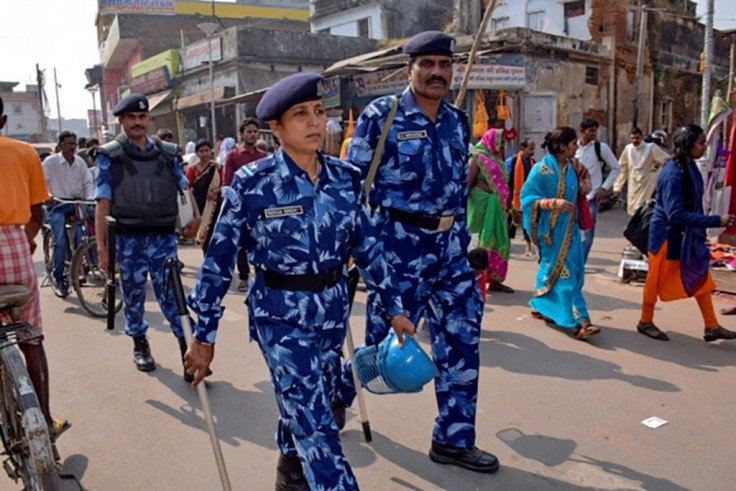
(549, 206)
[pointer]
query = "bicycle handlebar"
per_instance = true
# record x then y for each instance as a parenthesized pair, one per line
(64, 201)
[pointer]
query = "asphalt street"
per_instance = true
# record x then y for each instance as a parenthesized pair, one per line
(559, 413)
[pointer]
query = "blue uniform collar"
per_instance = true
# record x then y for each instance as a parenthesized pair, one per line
(288, 168)
(149, 144)
(411, 107)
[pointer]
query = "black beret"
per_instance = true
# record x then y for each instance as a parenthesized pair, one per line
(133, 103)
(294, 89)
(430, 43)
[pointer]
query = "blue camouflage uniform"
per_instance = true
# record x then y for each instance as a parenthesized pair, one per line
(140, 255)
(290, 226)
(423, 172)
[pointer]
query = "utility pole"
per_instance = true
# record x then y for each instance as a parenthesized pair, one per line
(640, 62)
(471, 58)
(707, 68)
(58, 104)
(41, 108)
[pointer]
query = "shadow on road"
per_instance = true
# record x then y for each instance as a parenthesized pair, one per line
(361, 454)
(553, 452)
(689, 351)
(230, 406)
(511, 351)
(74, 465)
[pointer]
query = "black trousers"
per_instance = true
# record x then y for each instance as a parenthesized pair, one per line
(243, 265)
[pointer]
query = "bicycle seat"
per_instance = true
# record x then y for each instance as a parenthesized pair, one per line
(13, 296)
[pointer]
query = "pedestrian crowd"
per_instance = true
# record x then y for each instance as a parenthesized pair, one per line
(426, 217)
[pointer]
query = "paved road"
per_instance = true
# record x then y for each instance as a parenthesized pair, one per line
(559, 413)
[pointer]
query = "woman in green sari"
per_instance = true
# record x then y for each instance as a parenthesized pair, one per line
(488, 206)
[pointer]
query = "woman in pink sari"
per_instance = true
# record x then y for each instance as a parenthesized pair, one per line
(488, 205)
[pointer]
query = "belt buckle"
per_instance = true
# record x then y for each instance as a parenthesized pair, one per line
(446, 223)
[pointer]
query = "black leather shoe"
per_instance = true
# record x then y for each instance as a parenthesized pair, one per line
(338, 411)
(473, 459)
(142, 354)
(290, 475)
(717, 333)
(183, 349)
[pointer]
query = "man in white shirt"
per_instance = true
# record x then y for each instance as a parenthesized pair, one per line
(67, 177)
(640, 164)
(595, 156)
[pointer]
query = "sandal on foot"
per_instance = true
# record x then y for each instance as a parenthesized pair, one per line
(717, 333)
(583, 333)
(649, 329)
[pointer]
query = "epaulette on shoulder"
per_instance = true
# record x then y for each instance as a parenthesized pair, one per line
(342, 164)
(257, 167)
(111, 149)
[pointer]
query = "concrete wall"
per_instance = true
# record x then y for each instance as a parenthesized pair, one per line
(24, 118)
(541, 15)
(346, 23)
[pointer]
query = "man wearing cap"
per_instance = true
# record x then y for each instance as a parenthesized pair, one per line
(298, 215)
(139, 181)
(419, 201)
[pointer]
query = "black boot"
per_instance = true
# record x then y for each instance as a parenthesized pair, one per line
(338, 411)
(290, 475)
(142, 354)
(473, 459)
(183, 349)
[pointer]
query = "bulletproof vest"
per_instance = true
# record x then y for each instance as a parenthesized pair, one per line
(145, 187)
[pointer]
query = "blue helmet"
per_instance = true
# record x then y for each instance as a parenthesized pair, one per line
(404, 369)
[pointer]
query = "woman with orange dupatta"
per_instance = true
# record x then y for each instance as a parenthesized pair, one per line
(519, 167)
(205, 181)
(488, 206)
(679, 259)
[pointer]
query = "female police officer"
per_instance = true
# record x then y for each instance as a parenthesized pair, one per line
(298, 215)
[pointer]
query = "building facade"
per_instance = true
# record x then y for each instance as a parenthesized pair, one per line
(379, 19)
(23, 108)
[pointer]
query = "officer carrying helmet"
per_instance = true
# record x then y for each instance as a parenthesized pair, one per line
(139, 183)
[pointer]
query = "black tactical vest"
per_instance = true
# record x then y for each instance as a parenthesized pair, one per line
(145, 188)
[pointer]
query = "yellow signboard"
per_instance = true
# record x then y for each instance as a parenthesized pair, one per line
(169, 58)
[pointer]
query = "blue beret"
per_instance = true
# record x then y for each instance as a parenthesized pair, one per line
(294, 89)
(430, 43)
(133, 103)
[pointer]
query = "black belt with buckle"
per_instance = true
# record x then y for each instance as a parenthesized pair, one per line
(434, 223)
(315, 282)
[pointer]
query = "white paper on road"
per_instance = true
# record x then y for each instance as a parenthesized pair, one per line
(654, 422)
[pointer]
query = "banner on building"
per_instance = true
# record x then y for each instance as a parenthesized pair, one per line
(380, 83)
(150, 82)
(93, 123)
(331, 92)
(151, 7)
(488, 77)
(198, 53)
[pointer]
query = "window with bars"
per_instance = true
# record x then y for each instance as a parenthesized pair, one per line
(574, 9)
(591, 75)
(535, 20)
(364, 30)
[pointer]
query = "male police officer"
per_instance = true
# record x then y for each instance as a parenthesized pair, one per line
(139, 181)
(419, 201)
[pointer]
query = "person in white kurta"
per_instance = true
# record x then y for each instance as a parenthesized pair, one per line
(640, 164)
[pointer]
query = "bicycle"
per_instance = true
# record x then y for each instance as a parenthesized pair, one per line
(88, 280)
(30, 455)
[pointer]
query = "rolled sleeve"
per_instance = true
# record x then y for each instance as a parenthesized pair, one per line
(104, 178)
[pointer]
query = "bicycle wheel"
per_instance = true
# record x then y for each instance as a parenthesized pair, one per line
(48, 252)
(89, 281)
(24, 430)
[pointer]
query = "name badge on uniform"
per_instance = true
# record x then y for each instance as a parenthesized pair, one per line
(411, 135)
(286, 211)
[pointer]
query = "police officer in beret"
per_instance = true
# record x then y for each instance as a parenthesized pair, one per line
(139, 182)
(419, 201)
(298, 214)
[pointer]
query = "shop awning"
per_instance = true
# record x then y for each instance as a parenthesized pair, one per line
(156, 100)
(203, 98)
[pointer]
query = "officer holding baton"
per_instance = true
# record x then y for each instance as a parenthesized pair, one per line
(139, 184)
(298, 215)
